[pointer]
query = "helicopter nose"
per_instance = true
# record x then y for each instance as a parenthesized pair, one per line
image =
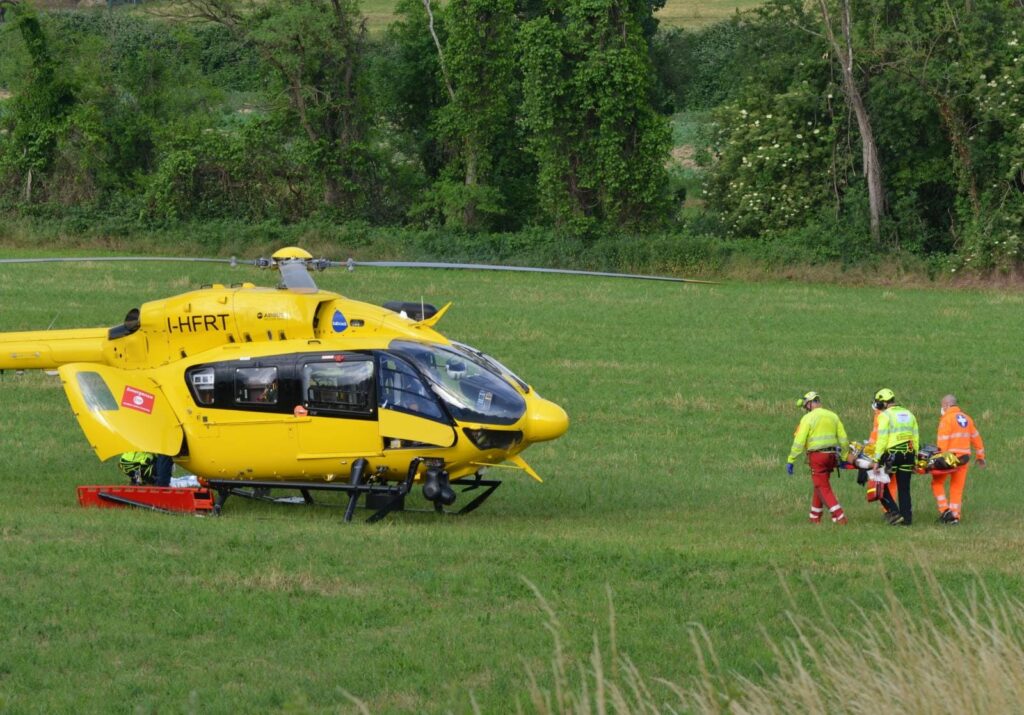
(545, 421)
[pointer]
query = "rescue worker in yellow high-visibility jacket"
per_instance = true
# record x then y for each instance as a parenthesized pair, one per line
(957, 434)
(896, 449)
(822, 435)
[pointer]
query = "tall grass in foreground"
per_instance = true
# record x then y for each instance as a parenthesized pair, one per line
(963, 656)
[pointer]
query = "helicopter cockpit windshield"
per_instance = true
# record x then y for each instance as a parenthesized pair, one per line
(474, 388)
(478, 356)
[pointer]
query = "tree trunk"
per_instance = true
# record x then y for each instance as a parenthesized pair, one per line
(332, 192)
(869, 149)
(440, 53)
(469, 216)
(869, 152)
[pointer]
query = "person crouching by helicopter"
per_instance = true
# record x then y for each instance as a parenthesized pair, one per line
(163, 467)
(137, 466)
(146, 468)
(898, 439)
(822, 435)
(957, 434)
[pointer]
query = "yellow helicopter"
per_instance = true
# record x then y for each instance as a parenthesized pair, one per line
(296, 387)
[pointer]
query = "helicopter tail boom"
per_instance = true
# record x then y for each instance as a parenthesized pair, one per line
(49, 349)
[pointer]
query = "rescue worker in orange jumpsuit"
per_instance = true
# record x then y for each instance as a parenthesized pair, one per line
(957, 434)
(888, 498)
(822, 435)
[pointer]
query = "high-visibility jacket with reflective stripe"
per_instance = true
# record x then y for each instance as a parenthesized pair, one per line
(896, 426)
(818, 429)
(137, 457)
(957, 434)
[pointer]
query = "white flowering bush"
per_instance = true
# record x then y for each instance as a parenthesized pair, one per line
(772, 164)
(994, 240)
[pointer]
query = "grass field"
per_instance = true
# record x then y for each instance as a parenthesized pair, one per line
(668, 492)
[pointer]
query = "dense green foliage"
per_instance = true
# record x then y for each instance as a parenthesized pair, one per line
(288, 110)
(587, 108)
(939, 83)
(498, 116)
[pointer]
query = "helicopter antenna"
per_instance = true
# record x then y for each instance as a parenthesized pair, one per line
(57, 315)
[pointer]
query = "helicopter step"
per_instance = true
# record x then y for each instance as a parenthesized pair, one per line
(382, 498)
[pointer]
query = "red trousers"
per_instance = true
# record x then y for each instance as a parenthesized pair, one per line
(822, 464)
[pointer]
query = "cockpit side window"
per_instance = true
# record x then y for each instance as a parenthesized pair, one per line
(339, 386)
(402, 389)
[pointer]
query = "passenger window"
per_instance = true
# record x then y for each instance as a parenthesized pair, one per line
(343, 386)
(256, 385)
(201, 381)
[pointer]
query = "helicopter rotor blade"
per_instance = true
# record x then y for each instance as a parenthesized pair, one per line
(294, 279)
(351, 264)
(94, 259)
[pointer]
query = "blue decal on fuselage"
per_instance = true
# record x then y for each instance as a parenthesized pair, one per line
(338, 322)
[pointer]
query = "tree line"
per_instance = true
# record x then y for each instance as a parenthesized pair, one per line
(829, 128)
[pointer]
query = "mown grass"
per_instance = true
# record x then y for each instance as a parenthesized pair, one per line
(668, 490)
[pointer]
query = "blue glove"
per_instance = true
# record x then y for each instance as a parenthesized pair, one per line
(789, 469)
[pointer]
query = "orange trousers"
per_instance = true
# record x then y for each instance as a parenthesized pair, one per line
(890, 489)
(957, 478)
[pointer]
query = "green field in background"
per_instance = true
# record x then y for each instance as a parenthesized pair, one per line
(669, 489)
(676, 13)
(695, 13)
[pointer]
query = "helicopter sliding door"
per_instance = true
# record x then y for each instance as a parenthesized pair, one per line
(120, 411)
(337, 393)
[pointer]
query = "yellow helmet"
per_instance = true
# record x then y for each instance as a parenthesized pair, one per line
(885, 395)
(808, 397)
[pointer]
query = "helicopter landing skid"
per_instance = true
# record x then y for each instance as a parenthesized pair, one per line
(394, 494)
(469, 484)
(383, 498)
